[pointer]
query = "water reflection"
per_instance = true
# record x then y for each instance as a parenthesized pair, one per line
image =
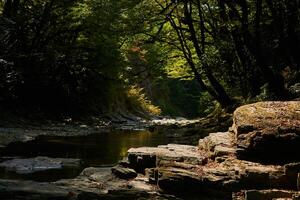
(99, 149)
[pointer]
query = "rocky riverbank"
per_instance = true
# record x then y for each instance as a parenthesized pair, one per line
(256, 159)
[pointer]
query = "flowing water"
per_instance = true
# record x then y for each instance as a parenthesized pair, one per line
(96, 150)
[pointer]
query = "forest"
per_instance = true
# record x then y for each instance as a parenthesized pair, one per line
(170, 57)
(149, 99)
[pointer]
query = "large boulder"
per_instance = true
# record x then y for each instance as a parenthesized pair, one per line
(268, 131)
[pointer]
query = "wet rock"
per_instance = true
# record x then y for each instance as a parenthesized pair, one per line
(124, 172)
(268, 130)
(31, 165)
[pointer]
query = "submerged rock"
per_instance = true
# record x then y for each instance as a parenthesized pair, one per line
(32, 165)
(268, 131)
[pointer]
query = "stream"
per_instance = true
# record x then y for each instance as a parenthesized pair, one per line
(96, 150)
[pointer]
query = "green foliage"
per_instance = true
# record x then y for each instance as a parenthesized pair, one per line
(184, 56)
(139, 102)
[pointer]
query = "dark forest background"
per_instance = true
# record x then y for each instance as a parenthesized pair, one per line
(147, 57)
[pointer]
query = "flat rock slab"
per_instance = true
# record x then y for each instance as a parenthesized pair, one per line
(269, 130)
(149, 157)
(32, 165)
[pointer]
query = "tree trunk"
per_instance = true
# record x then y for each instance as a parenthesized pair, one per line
(222, 96)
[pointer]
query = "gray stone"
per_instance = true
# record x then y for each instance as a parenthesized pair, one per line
(31, 165)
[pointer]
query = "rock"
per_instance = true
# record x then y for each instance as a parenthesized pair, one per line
(93, 180)
(123, 172)
(268, 130)
(99, 183)
(142, 158)
(292, 170)
(178, 181)
(93, 183)
(142, 183)
(20, 190)
(152, 175)
(31, 165)
(267, 195)
(150, 157)
(224, 151)
(184, 154)
(233, 175)
(218, 144)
